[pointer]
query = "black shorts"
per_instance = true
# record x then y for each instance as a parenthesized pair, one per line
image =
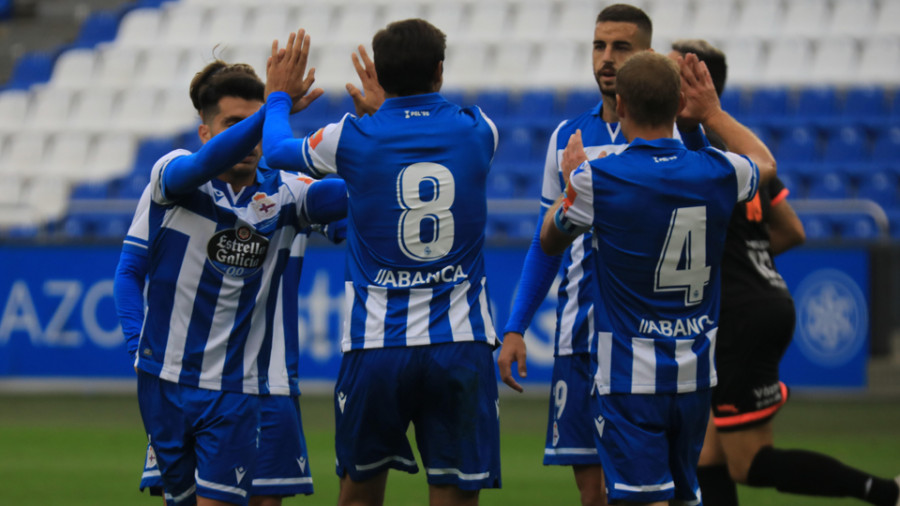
(750, 342)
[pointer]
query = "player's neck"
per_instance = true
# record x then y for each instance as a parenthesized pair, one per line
(608, 111)
(648, 133)
(238, 183)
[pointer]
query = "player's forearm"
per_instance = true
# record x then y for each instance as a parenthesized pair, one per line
(128, 293)
(538, 273)
(785, 228)
(281, 148)
(220, 153)
(553, 240)
(742, 140)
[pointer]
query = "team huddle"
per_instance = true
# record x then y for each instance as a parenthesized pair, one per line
(649, 225)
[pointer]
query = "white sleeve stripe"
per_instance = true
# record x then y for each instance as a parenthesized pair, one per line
(747, 175)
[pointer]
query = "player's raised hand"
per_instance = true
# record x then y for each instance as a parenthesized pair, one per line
(573, 156)
(512, 351)
(371, 97)
(700, 98)
(286, 71)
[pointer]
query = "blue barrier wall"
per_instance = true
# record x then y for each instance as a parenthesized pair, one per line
(58, 316)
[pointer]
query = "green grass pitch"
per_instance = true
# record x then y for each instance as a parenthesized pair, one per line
(88, 449)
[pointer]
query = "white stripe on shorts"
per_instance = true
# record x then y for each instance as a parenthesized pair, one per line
(570, 451)
(645, 488)
(460, 474)
(394, 458)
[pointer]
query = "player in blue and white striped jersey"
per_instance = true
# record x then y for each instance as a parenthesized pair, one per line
(418, 337)
(282, 466)
(659, 213)
(220, 236)
(619, 31)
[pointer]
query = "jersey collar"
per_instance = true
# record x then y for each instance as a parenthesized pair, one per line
(412, 101)
(664, 143)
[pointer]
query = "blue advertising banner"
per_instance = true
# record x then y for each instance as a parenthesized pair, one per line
(58, 316)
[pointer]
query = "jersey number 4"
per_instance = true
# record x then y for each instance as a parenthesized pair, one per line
(425, 191)
(682, 262)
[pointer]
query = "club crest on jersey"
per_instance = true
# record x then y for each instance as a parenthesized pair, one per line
(264, 206)
(237, 252)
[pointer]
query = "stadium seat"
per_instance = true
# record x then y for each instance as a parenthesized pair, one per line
(817, 226)
(495, 103)
(100, 26)
(139, 28)
(881, 187)
(768, 105)
(268, 20)
(844, 145)
(532, 21)
(227, 26)
(886, 148)
(671, 18)
(536, 108)
(835, 61)
(91, 191)
(713, 19)
(797, 149)
(746, 59)
(578, 101)
(93, 109)
(559, 64)
(865, 104)
(816, 105)
(856, 227)
(66, 155)
(760, 18)
(464, 63)
(487, 22)
(886, 21)
(116, 66)
(448, 16)
(13, 110)
(353, 20)
(880, 62)
(31, 68)
(49, 109)
(788, 62)
(515, 146)
(829, 185)
(805, 18)
(112, 155)
(894, 223)
(511, 62)
(74, 69)
(852, 17)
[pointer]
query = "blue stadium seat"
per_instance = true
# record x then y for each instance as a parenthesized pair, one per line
(797, 150)
(768, 105)
(795, 185)
(501, 184)
(845, 144)
(494, 103)
(91, 191)
(816, 105)
(99, 27)
(817, 226)
(536, 107)
(578, 101)
(516, 145)
(856, 227)
(731, 101)
(894, 223)
(886, 148)
(882, 187)
(866, 105)
(829, 185)
(31, 68)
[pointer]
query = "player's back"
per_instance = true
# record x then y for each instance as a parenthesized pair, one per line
(660, 215)
(416, 174)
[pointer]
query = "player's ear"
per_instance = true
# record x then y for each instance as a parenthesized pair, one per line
(620, 107)
(204, 133)
(681, 103)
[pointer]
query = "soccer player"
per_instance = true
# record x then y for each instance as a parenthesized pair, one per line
(220, 235)
(418, 335)
(659, 214)
(620, 31)
(756, 323)
(282, 466)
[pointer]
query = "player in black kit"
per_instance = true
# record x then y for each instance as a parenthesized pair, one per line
(756, 324)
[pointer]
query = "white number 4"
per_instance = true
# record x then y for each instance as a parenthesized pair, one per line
(682, 262)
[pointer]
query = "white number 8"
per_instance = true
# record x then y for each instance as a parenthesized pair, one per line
(434, 213)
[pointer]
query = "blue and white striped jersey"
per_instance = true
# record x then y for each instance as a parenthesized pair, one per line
(576, 293)
(416, 173)
(660, 214)
(223, 278)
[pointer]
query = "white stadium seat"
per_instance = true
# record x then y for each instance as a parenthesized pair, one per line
(788, 62)
(74, 69)
(836, 61)
(852, 17)
(805, 18)
(713, 19)
(66, 155)
(880, 63)
(49, 109)
(760, 18)
(13, 110)
(139, 28)
(671, 18)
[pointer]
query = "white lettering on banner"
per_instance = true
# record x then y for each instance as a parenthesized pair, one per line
(318, 309)
(19, 314)
(55, 333)
(63, 296)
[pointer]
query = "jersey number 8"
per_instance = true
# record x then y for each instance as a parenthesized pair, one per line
(425, 229)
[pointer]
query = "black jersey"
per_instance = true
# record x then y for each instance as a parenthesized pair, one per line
(748, 270)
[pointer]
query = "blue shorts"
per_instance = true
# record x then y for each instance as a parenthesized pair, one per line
(282, 461)
(205, 440)
(570, 432)
(650, 444)
(449, 393)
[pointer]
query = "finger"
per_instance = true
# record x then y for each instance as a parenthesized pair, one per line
(360, 71)
(523, 366)
(310, 97)
(303, 53)
(365, 58)
(512, 384)
(289, 47)
(274, 47)
(354, 92)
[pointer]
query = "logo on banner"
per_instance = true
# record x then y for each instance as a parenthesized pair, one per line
(832, 317)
